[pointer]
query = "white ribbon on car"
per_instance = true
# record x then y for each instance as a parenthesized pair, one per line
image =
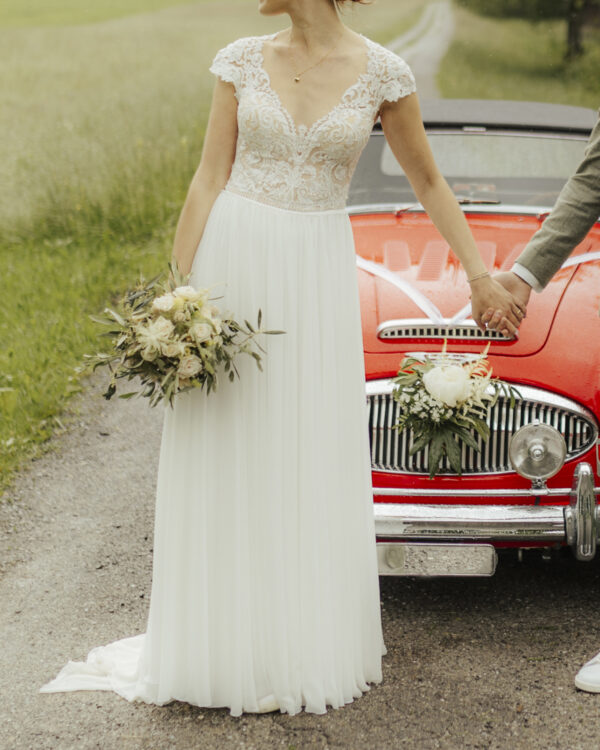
(425, 304)
(420, 300)
(585, 258)
(569, 263)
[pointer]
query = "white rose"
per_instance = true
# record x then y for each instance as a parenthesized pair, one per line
(201, 332)
(188, 293)
(173, 349)
(161, 327)
(189, 366)
(164, 303)
(450, 385)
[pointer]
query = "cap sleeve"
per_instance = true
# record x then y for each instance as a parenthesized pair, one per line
(228, 64)
(396, 78)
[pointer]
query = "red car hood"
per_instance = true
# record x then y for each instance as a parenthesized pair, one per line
(407, 271)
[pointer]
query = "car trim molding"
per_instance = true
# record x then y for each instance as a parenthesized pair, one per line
(462, 522)
(532, 492)
(529, 393)
(576, 524)
(400, 208)
(390, 450)
(412, 328)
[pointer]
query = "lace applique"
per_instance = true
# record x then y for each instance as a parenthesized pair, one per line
(299, 167)
(396, 77)
(234, 62)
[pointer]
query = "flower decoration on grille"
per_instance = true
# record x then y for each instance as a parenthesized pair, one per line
(173, 338)
(445, 401)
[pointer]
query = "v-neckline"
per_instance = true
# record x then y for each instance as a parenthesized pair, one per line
(301, 128)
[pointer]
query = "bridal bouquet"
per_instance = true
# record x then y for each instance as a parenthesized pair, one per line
(445, 401)
(173, 338)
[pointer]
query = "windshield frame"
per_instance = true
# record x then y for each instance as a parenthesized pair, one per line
(466, 130)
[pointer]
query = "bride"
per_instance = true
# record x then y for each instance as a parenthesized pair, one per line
(265, 591)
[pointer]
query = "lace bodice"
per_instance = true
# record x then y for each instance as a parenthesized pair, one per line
(299, 167)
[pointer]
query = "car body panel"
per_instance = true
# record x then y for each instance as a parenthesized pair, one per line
(406, 273)
(410, 246)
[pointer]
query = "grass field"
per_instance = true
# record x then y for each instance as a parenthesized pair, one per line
(102, 128)
(71, 12)
(492, 58)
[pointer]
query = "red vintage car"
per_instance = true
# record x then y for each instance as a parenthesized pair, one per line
(534, 483)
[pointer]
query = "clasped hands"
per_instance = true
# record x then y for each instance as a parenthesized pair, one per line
(500, 302)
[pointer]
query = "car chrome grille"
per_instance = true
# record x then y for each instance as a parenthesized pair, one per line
(393, 330)
(390, 448)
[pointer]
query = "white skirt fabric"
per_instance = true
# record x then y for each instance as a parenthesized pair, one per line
(265, 575)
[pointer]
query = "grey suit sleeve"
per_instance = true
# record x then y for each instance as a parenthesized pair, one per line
(574, 213)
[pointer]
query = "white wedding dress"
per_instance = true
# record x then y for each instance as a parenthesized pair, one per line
(265, 575)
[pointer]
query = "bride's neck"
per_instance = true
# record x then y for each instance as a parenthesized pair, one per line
(314, 25)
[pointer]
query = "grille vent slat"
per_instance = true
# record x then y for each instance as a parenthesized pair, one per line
(390, 449)
(401, 329)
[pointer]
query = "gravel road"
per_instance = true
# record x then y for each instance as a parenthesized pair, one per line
(424, 46)
(472, 663)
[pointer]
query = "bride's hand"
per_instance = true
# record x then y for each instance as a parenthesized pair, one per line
(491, 301)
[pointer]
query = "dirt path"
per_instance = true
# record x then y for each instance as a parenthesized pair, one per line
(424, 46)
(470, 664)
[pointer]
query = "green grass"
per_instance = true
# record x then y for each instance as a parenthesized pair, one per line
(492, 58)
(102, 128)
(71, 12)
(46, 328)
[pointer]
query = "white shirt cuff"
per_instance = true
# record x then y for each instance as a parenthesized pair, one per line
(527, 277)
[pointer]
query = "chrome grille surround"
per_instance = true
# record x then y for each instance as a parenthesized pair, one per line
(390, 448)
(392, 330)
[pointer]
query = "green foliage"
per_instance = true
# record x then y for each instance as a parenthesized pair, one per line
(533, 10)
(574, 12)
(156, 359)
(58, 12)
(439, 423)
(494, 58)
(48, 291)
(102, 129)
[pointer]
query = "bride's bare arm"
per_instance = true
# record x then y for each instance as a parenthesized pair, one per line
(404, 131)
(211, 176)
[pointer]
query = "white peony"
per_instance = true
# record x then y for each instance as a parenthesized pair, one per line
(155, 333)
(450, 385)
(164, 303)
(189, 366)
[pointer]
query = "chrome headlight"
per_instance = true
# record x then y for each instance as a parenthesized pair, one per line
(537, 451)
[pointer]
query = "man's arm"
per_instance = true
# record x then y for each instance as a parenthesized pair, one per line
(575, 211)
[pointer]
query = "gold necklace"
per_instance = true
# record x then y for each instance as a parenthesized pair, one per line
(297, 76)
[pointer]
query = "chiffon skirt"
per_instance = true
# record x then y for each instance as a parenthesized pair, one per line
(265, 574)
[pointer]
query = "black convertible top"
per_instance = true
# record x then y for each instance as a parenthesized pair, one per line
(500, 114)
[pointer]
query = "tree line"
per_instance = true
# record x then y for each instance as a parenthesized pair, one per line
(576, 14)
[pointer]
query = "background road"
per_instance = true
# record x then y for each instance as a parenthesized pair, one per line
(425, 45)
(471, 663)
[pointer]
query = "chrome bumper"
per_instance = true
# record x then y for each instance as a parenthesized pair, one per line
(577, 524)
